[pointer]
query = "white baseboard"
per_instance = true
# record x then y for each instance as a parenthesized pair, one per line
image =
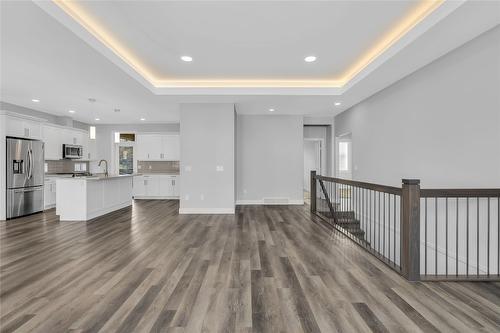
(261, 202)
(206, 210)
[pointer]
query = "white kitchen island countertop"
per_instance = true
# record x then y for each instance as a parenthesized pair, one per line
(85, 198)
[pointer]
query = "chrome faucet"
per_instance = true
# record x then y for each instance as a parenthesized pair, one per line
(106, 167)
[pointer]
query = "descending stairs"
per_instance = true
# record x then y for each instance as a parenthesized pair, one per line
(347, 220)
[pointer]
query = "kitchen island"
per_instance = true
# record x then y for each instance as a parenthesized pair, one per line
(85, 198)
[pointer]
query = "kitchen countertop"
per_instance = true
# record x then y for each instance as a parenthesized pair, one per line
(158, 174)
(100, 177)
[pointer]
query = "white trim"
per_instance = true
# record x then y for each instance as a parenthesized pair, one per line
(261, 202)
(206, 210)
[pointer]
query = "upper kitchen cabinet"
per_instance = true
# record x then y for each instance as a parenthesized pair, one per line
(52, 136)
(158, 147)
(170, 147)
(148, 147)
(23, 127)
(55, 136)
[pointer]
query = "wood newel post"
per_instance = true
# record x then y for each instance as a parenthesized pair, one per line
(410, 229)
(313, 191)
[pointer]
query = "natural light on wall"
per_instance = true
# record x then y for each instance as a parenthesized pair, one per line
(92, 132)
(117, 137)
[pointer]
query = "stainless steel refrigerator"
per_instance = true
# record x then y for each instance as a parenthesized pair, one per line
(25, 173)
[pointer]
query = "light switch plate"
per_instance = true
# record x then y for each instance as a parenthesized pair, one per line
(188, 168)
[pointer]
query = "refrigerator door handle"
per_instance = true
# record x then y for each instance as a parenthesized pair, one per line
(30, 158)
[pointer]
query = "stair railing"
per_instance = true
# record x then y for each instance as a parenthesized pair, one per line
(395, 225)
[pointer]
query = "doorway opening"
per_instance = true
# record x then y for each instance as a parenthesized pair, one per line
(344, 156)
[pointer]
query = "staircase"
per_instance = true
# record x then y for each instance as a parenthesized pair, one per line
(346, 220)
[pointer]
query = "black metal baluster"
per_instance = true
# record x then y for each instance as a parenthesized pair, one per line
(394, 229)
(436, 237)
(477, 237)
(389, 228)
(425, 236)
(467, 241)
(488, 242)
(456, 245)
(446, 242)
(384, 227)
(378, 240)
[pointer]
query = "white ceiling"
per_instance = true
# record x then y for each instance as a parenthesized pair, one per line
(250, 39)
(45, 59)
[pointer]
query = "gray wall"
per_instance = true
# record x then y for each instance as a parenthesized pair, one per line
(441, 124)
(270, 158)
(207, 141)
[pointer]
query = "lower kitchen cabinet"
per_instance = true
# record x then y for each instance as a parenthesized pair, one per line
(156, 187)
(49, 194)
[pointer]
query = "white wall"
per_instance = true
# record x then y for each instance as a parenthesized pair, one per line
(441, 124)
(270, 158)
(207, 141)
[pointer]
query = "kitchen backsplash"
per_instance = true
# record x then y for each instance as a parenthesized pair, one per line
(158, 167)
(66, 166)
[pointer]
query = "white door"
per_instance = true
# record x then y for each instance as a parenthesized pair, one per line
(312, 160)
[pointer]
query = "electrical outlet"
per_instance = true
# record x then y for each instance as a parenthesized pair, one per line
(219, 168)
(186, 197)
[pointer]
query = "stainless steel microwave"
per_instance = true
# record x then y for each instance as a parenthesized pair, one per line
(72, 151)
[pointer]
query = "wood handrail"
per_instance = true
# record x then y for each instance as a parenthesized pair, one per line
(370, 186)
(460, 193)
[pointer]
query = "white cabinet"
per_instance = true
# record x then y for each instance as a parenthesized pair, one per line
(152, 186)
(148, 147)
(156, 186)
(139, 188)
(170, 148)
(52, 137)
(49, 193)
(23, 128)
(89, 149)
(158, 147)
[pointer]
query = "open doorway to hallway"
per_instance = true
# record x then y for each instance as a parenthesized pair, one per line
(317, 154)
(312, 161)
(344, 156)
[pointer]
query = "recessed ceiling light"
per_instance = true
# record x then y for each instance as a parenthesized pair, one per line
(71, 111)
(143, 119)
(338, 103)
(271, 110)
(97, 119)
(35, 100)
(186, 58)
(310, 59)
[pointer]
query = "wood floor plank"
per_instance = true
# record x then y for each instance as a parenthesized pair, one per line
(146, 268)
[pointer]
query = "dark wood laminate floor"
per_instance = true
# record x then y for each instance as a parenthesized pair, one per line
(266, 269)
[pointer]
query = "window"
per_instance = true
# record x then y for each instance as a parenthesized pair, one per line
(126, 160)
(343, 156)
